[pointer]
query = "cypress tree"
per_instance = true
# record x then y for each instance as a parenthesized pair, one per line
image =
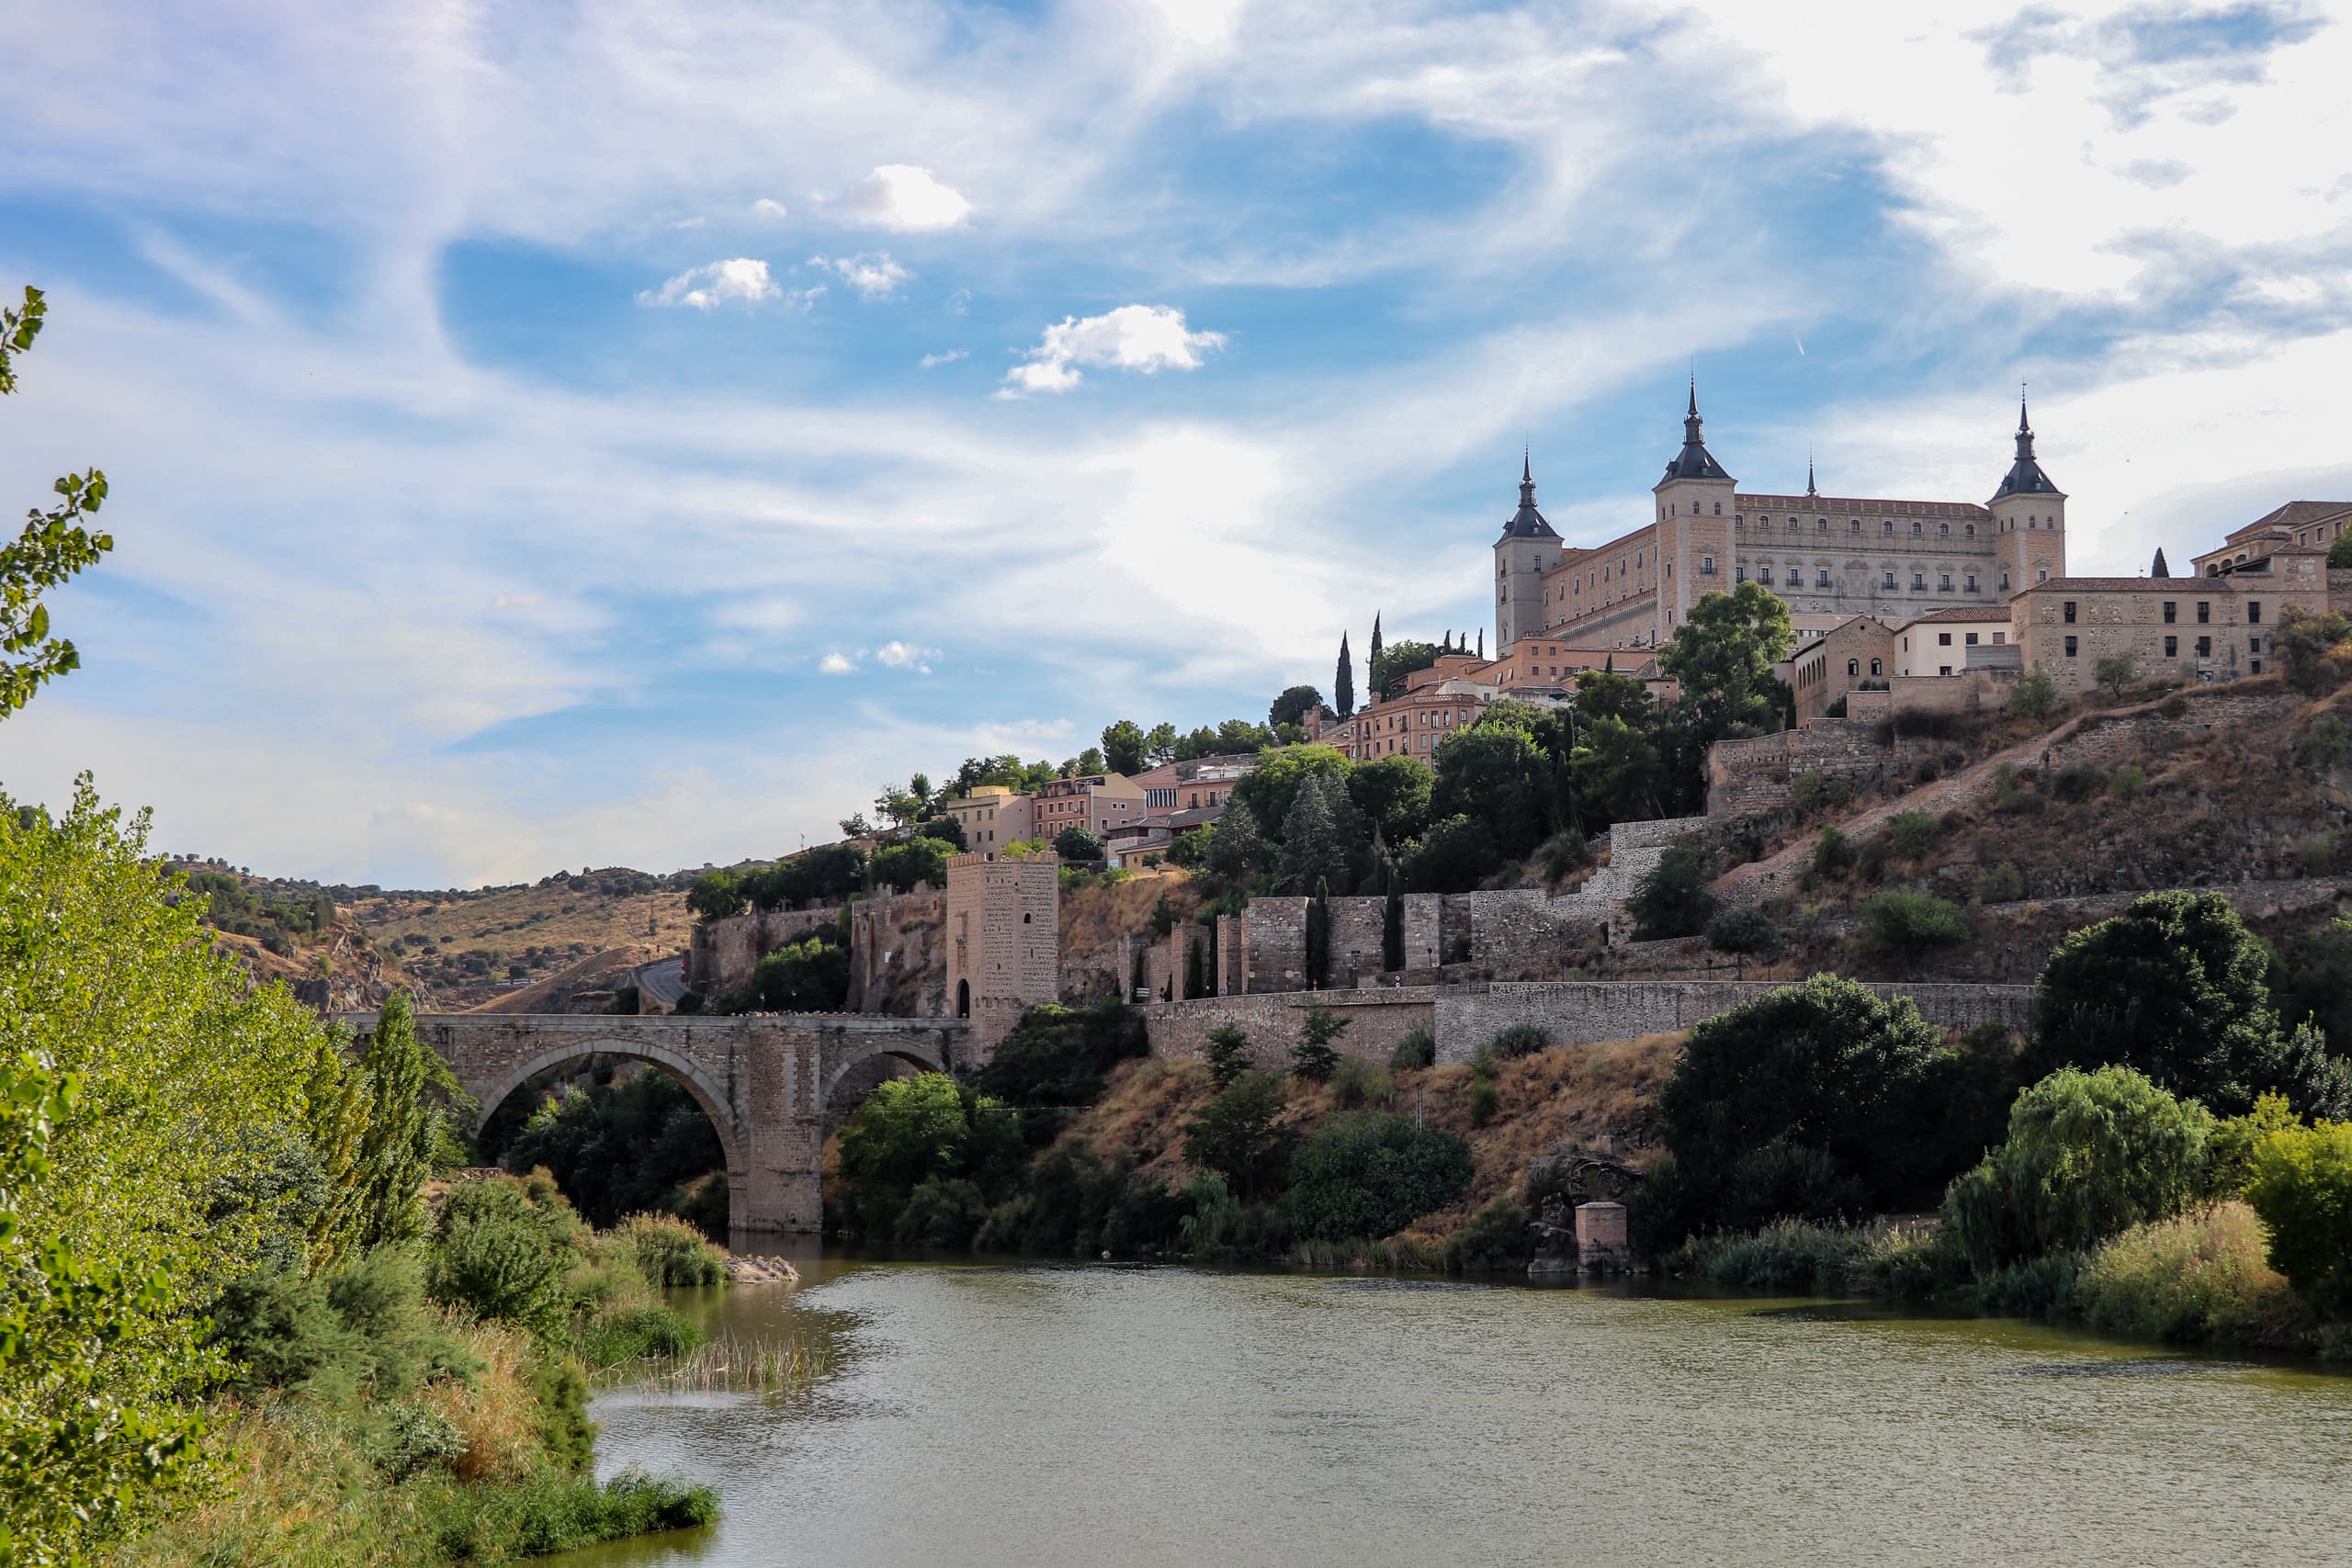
(1134, 976)
(1318, 935)
(1209, 985)
(1391, 926)
(1372, 665)
(1191, 969)
(1343, 682)
(2160, 568)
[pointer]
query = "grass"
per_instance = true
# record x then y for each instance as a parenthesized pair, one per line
(2199, 1279)
(734, 1363)
(1877, 1258)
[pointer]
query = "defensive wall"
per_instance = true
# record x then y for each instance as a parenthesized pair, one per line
(1569, 1012)
(891, 954)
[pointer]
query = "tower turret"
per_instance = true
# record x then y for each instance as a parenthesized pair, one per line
(2029, 517)
(1695, 512)
(1529, 547)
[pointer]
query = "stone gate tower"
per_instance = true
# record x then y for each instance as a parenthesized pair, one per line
(1003, 939)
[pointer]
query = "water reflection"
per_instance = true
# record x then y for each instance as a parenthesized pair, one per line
(991, 1413)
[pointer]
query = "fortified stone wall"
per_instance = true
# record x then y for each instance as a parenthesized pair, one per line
(1753, 777)
(1003, 936)
(1569, 1012)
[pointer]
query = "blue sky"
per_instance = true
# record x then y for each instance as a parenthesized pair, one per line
(603, 433)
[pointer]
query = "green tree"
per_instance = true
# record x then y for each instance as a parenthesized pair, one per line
(808, 975)
(905, 1133)
(1456, 855)
(1604, 693)
(2308, 643)
(1495, 772)
(2175, 987)
(2302, 1189)
(918, 859)
(1672, 899)
(1238, 854)
(54, 547)
(1723, 655)
(1294, 706)
(944, 829)
(1195, 983)
(2034, 696)
(1370, 1175)
(2088, 1156)
(1391, 665)
(79, 1462)
(1314, 1056)
(1319, 843)
(1343, 682)
(1122, 746)
(1805, 1101)
(1269, 790)
(1228, 1054)
(1392, 925)
(2115, 672)
(1239, 1135)
(501, 1257)
(1393, 793)
(1160, 746)
(1616, 774)
(1075, 842)
(407, 1084)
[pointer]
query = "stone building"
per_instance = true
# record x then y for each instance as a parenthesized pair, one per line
(992, 816)
(1945, 642)
(1828, 557)
(1820, 671)
(2212, 629)
(1003, 939)
(2298, 524)
(1097, 802)
(1195, 784)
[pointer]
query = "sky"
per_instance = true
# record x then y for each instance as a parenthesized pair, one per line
(631, 431)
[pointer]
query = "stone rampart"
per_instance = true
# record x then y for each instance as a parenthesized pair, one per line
(722, 955)
(1754, 777)
(1377, 1020)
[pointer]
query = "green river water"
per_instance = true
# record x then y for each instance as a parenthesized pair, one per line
(1036, 1415)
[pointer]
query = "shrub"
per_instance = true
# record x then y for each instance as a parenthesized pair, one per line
(1486, 1100)
(2128, 781)
(2302, 1189)
(1314, 1057)
(1911, 834)
(496, 1255)
(1239, 1135)
(2001, 884)
(1514, 1041)
(1563, 854)
(1075, 842)
(1356, 1083)
(2034, 696)
(2078, 781)
(669, 1251)
(2088, 1155)
(1368, 1175)
(941, 1213)
(1832, 855)
(2320, 853)
(1493, 1240)
(2229, 1149)
(2328, 743)
(635, 1333)
(2193, 1279)
(1672, 900)
(1743, 929)
(2308, 645)
(1833, 1259)
(1810, 791)
(1417, 1049)
(1904, 922)
(1057, 1055)
(2115, 672)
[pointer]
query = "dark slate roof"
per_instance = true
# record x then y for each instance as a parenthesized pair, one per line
(1527, 523)
(2025, 476)
(1695, 461)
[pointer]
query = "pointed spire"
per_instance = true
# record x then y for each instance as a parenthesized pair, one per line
(1808, 473)
(1527, 465)
(1527, 523)
(1695, 461)
(2025, 476)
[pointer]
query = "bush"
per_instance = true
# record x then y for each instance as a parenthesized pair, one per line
(1486, 1100)
(669, 1251)
(635, 1333)
(552, 1514)
(2308, 644)
(2195, 1279)
(2328, 743)
(1369, 1175)
(1059, 1055)
(2034, 696)
(1830, 1259)
(941, 1213)
(1672, 900)
(2302, 1189)
(2001, 883)
(1743, 929)
(1911, 834)
(1075, 842)
(2088, 1155)
(1905, 923)
(1227, 1053)
(1832, 855)
(498, 1255)
(2078, 782)
(1356, 1083)
(2128, 781)
(1239, 1135)
(1417, 1049)
(1563, 854)
(1494, 1240)
(1514, 1041)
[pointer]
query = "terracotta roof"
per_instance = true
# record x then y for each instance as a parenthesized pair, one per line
(2184, 586)
(2293, 516)
(1971, 613)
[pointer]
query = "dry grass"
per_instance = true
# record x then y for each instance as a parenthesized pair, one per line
(736, 1364)
(497, 1413)
(1143, 1112)
(1096, 918)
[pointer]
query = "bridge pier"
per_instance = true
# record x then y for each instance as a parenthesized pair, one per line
(766, 1080)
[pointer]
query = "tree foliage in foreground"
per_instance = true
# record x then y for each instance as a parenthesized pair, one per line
(54, 545)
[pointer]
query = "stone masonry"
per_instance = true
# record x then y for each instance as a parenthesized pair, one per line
(1003, 939)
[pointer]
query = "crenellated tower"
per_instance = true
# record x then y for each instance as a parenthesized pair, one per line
(1528, 547)
(2029, 519)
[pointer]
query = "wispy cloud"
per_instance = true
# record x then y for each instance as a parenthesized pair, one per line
(769, 210)
(872, 273)
(1145, 338)
(928, 360)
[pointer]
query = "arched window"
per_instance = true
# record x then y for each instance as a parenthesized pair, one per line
(1944, 530)
(1874, 669)
(1970, 529)
(1887, 527)
(1854, 667)
(1792, 524)
(1719, 509)
(1856, 526)
(1821, 525)
(1916, 530)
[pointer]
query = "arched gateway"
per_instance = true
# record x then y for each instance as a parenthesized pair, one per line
(764, 1079)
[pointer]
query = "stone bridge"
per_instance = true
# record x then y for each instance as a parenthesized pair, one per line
(766, 1080)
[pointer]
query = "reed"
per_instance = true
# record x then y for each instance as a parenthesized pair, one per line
(732, 1363)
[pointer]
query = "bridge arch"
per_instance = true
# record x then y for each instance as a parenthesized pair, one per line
(713, 1098)
(920, 1058)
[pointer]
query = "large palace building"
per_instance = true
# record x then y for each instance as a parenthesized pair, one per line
(1830, 557)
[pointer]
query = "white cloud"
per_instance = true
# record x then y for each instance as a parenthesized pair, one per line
(743, 280)
(1149, 338)
(872, 273)
(950, 358)
(769, 210)
(900, 655)
(685, 224)
(903, 197)
(834, 664)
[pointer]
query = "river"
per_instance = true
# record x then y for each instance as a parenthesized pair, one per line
(1041, 1416)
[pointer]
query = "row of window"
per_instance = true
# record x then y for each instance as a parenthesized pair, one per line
(1886, 529)
(1794, 577)
(2172, 647)
(2172, 612)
